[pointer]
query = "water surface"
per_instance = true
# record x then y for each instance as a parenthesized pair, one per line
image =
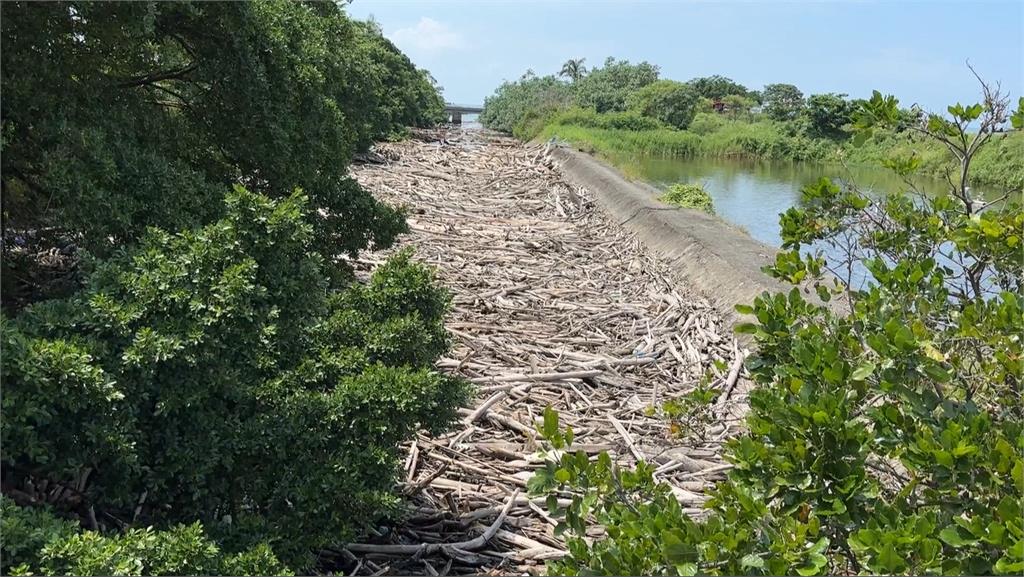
(752, 193)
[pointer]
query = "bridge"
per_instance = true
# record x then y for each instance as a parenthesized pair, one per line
(455, 111)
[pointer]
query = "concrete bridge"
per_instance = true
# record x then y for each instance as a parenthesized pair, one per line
(455, 111)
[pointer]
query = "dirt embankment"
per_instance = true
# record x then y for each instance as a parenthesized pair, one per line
(556, 302)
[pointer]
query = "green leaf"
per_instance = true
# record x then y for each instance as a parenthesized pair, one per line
(889, 559)
(752, 560)
(562, 476)
(863, 371)
(746, 328)
(550, 426)
(952, 536)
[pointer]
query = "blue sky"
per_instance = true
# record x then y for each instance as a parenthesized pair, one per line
(915, 50)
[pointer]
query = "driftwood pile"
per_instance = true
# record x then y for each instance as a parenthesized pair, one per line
(554, 304)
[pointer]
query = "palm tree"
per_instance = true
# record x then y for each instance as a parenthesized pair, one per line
(574, 69)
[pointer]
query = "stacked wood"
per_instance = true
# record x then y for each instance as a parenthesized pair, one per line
(554, 304)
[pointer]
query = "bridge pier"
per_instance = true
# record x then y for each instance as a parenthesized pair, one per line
(456, 117)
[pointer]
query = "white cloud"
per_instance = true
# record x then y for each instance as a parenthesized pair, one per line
(427, 37)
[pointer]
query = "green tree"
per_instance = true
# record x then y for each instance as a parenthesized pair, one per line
(141, 114)
(232, 384)
(717, 87)
(738, 106)
(213, 361)
(782, 101)
(532, 97)
(883, 439)
(573, 69)
(671, 102)
(608, 89)
(828, 114)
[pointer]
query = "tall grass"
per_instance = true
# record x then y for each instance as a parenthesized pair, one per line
(1000, 164)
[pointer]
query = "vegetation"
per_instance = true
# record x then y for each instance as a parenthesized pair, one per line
(716, 116)
(883, 439)
(36, 541)
(719, 87)
(199, 381)
(522, 106)
(782, 101)
(689, 196)
(573, 69)
(673, 103)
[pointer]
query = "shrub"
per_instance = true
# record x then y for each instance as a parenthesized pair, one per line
(223, 369)
(886, 440)
(705, 123)
(531, 96)
(631, 121)
(673, 103)
(36, 541)
(689, 196)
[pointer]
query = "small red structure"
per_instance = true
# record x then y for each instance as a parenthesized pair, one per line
(719, 106)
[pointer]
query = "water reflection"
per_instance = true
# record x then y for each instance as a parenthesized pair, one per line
(752, 194)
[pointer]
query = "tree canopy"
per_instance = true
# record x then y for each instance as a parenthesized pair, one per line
(782, 101)
(717, 87)
(607, 89)
(671, 102)
(210, 378)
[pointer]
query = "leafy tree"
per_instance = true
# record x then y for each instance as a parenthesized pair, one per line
(141, 114)
(883, 439)
(671, 102)
(782, 101)
(717, 87)
(532, 96)
(573, 69)
(214, 361)
(608, 89)
(738, 106)
(828, 114)
(232, 385)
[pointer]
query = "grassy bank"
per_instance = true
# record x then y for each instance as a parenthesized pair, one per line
(999, 164)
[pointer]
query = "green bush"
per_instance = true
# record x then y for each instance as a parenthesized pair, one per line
(35, 541)
(205, 361)
(886, 439)
(608, 89)
(122, 116)
(515, 104)
(689, 196)
(673, 103)
(223, 368)
(631, 121)
(705, 123)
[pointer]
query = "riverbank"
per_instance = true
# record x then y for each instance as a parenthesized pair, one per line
(999, 165)
(554, 303)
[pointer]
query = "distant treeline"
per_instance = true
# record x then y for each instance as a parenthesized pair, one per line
(624, 107)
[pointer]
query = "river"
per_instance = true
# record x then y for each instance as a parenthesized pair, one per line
(752, 193)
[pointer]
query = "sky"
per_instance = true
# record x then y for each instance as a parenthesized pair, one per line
(914, 50)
